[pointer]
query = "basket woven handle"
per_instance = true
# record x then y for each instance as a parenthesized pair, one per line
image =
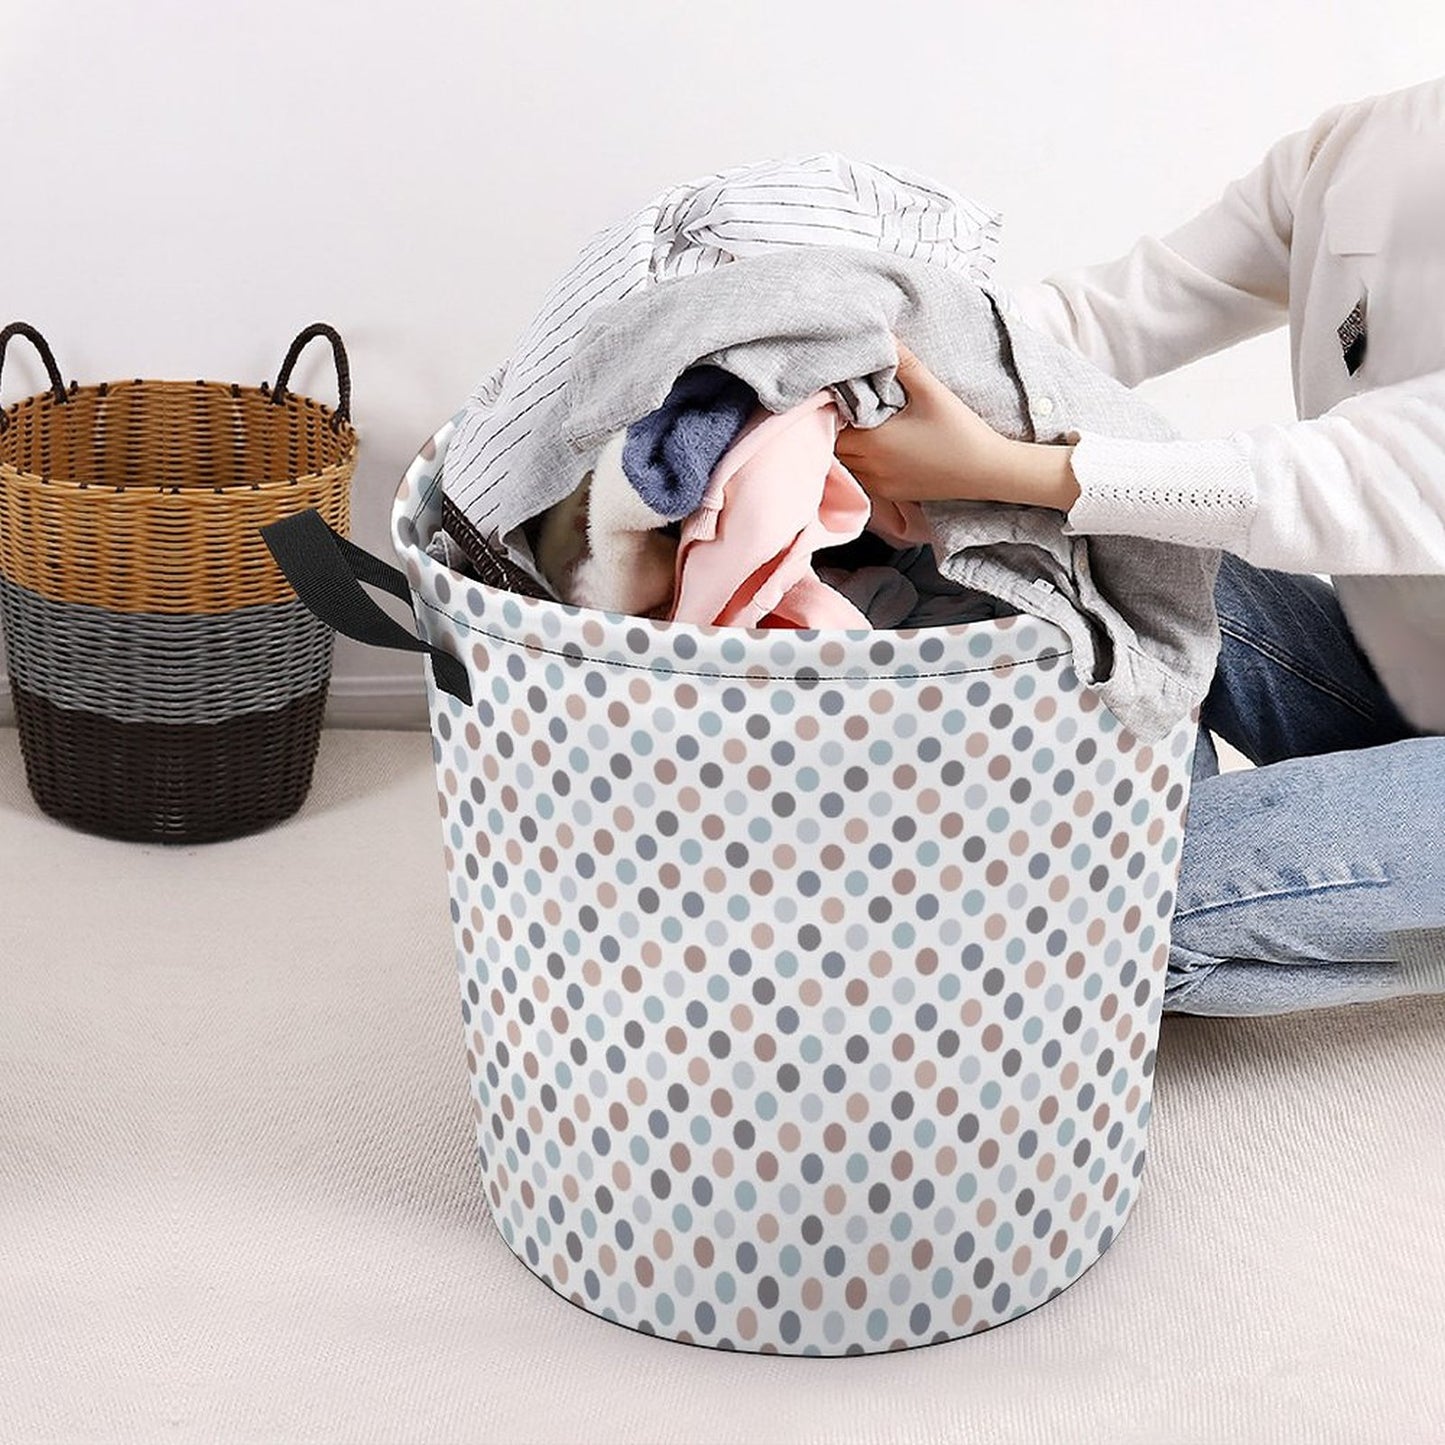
(23, 328)
(326, 570)
(343, 368)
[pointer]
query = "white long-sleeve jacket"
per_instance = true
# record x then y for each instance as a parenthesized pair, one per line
(1349, 210)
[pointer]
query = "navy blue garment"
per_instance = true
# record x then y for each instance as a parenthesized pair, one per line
(670, 453)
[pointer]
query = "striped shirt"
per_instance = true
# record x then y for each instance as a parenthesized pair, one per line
(820, 200)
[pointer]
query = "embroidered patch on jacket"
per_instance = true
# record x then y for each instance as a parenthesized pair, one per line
(1351, 332)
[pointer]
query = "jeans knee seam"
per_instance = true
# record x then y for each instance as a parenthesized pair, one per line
(1281, 893)
(1290, 664)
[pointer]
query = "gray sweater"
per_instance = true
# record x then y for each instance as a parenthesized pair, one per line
(1139, 614)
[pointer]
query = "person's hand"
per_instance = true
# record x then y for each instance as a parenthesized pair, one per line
(936, 447)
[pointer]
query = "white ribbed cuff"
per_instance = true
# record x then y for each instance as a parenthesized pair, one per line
(1195, 493)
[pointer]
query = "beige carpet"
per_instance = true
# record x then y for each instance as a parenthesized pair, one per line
(238, 1200)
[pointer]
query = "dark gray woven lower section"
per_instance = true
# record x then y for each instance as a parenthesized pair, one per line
(169, 783)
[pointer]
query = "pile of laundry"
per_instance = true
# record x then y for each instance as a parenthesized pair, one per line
(661, 442)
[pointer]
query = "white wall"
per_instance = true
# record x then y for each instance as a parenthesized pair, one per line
(187, 184)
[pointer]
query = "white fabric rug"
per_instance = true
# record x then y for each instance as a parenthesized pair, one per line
(238, 1200)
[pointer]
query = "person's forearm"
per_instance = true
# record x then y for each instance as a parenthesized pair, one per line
(1359, 490)
(1034, 474)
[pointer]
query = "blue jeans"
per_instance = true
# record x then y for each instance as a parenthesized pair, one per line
(1296, 874)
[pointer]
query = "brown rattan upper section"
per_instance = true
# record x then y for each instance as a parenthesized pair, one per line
(146, 496)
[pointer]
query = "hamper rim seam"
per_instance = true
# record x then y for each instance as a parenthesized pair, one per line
(739, 676)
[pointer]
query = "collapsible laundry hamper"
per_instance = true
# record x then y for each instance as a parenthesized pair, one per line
(168, 685)
(811, 979)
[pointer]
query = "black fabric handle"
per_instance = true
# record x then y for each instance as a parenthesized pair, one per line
(343, 368)
(326, 570)
(23, 328)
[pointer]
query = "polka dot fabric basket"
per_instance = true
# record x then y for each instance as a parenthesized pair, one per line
(811, 980)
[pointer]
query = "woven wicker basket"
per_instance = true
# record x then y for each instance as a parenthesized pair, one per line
(168, 685)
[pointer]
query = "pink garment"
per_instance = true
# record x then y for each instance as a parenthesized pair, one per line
(776, 496)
